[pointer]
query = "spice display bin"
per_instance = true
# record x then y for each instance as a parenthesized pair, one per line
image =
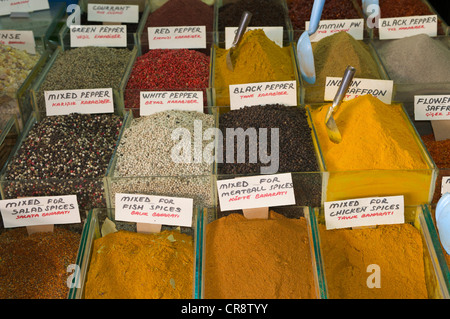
(92, 230)
(37, 97)
(311, 93)
(405, 92)
(219, 35)
(90, 191)
(9, 134)
(43, 23)
(416, 185)
(134, 30)
(293, 212)
(214, 98)
(182, 185)
(435, 274)
(309, 187)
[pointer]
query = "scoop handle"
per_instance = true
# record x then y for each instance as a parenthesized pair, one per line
(316, 14)
(245, 20)
(345, 83)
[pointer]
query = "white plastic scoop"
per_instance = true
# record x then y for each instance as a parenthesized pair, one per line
(304, 49)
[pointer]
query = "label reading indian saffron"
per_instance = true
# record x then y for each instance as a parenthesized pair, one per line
(86, 101)
(184, 37)
(364, 212)
(256, 192)
(381, 89)
(161, 210)
(113, 13)
(33, 211)
(445, 186)
(22, 40)
(396, 28)
(354, 27)
(158, 101)
(261, 93)
(431, 107)
(273, 33)
(98, 36)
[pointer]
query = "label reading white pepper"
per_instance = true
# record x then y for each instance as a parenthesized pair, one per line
(158, 101)
(273, 33)
(161, 210)
(113, 13)
(86, 101)
(381, 89)
(35, 211)
(396, 28)
(263, 93)
(183, 37)
(98, 36)
(431, 107)
(354, 27)
(364, 212)
(22, 40)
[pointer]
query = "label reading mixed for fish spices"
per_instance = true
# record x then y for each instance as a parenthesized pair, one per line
(261, 93)
(381, 89)
(273, 33)
(364, 212)
(98, 36)
(396, 28)
(113, 13)
(85, 101)
(431, 107)
(33, 211)
(158, 101)
(354, 27)
(256, 192)
(172, 211)
(184, 37)
(22, 40)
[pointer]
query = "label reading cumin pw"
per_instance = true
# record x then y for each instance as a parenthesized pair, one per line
(184, 37)
(98, 36)
(158, 101)
(354, 27)
(34, 211)
(173, 211)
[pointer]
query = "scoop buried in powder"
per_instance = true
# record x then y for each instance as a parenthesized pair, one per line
(245, 20)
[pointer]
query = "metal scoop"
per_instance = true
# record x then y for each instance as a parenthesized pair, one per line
(245, 20)
(332, 129)
(304, 49)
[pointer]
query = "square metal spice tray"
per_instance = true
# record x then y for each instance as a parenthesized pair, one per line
(92, 230)
(118, 89)
(94, 188)
(219, 35)
(209, 215)
(436, 273)
(416, 185)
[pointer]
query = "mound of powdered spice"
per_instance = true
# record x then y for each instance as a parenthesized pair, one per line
(74, 149)
(85, 68)
(167, 70)
(179, 13)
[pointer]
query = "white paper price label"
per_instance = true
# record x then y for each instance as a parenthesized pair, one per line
(22, 40)
(28, 5)
(431, 107)
(364, 212)
(184, 37)
(273, 33)
(445, 186)
(98, 36)
(35, 211)
(396, 28)
(256, 191)
(354, 27)
(161, 210)
(158, 101)
(262, 93)
(113, 13)
(381, 89)
(85, 101)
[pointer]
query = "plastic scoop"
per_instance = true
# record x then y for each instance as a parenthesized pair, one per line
(443, 221)
(245, 20)
(304, 49)
(332, 129)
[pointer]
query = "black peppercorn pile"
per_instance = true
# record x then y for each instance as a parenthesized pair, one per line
(65, 155)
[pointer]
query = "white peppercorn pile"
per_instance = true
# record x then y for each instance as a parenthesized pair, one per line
(65, 155)
(145, 151)
(85, 68)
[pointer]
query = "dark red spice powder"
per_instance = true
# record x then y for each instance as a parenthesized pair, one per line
(167, 70)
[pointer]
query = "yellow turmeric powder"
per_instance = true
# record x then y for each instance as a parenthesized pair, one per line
(397, 250)
(129, 265)
(258, 258)
(375, 135)
(258, 59)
